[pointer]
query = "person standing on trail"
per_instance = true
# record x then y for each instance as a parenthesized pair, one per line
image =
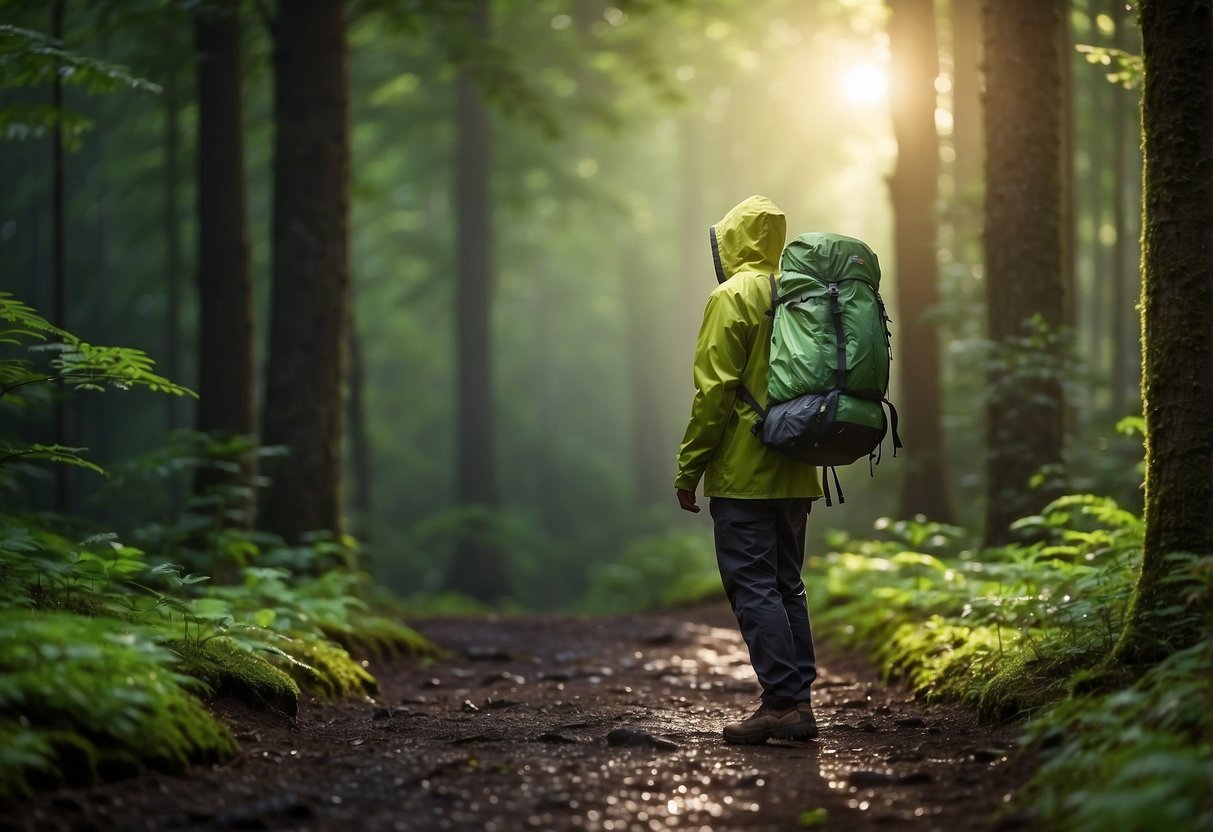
(759, 499)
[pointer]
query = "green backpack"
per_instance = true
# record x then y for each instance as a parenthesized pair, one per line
(830, 356)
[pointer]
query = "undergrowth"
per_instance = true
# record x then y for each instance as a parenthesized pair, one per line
(109, 650)
(1026, 631)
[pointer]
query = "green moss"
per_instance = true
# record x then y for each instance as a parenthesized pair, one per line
(942, 660)
(329, 669)
(380, 637)
(1023, 685)
(229, 670)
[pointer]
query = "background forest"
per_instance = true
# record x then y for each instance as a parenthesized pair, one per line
(421, 282)
(617, 137)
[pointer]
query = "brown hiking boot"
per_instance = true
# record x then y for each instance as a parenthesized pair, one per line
(791, 723)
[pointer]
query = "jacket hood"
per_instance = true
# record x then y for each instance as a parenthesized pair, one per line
(750, 236)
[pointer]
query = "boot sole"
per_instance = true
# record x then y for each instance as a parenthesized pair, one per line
(792, 732)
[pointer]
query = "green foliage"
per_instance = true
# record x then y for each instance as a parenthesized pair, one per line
(83, 697)
(29, 58)
(258, 639)
(655, 572)
(73, 361)
(1137, 759)
(961, 623)
(1027, 629)
(1124, 69)
(46, 354)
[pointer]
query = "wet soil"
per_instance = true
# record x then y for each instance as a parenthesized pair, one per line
(576, 724)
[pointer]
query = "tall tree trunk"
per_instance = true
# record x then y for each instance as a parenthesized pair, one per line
(59, 253)
(226, 369)
(1099, 302)
(1024, 274)
(1177, 303)
(360, 441)
(1120, 332)
(1069, 179)
(478, 567)
(310, 296)
(913, 187)
(966, 115)
(173, 267)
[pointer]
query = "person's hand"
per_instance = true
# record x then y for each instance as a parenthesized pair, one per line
(686, 501)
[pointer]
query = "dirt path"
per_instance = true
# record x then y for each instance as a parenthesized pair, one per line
(512, 734)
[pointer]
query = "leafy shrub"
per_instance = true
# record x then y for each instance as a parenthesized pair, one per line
(654, 572)
(87, 697)
(1137, 760)
(1026, 629)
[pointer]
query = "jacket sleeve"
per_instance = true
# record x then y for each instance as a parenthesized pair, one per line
(720, 357)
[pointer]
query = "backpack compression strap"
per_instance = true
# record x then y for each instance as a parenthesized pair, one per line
(840, 337)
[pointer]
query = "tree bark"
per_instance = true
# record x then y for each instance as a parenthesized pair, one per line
(360, 440)
(1121, 379)
(226, 374)
(310, 294)
(966, 107)
(1177, 301)
(478, 568)
(1024, 271)
(174, 406)
(59, 254)
(913, 187)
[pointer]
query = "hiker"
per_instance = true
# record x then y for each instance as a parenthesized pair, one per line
(759, 499)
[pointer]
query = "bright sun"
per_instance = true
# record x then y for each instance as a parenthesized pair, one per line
(865, 84)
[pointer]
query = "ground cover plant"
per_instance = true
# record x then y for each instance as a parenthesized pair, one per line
(108, 651)
(1026, 631)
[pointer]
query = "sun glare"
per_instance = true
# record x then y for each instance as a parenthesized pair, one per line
(865, 85)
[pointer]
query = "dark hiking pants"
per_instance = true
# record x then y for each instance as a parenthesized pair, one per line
(760, 551)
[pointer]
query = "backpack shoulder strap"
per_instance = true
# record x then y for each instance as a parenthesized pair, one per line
(774, 295)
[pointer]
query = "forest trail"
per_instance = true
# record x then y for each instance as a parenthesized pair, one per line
(512, 732)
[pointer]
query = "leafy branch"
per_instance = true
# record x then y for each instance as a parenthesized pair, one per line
(29, 58)
(77, 363)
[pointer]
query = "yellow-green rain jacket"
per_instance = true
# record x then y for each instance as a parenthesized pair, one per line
(733, 349)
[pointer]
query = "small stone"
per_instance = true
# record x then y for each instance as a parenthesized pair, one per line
(510, 678)
(562, 737)
(432, 683)
(632, 737)
(912, 722)
(382, 713)
(869, 727)
(988, 755)
(469, 706)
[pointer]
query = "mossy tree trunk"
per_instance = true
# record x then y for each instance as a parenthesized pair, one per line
(478, 567)
(311, 275)
(1025, 292)
(227, 401)
(914, 187)
(1177, 305)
